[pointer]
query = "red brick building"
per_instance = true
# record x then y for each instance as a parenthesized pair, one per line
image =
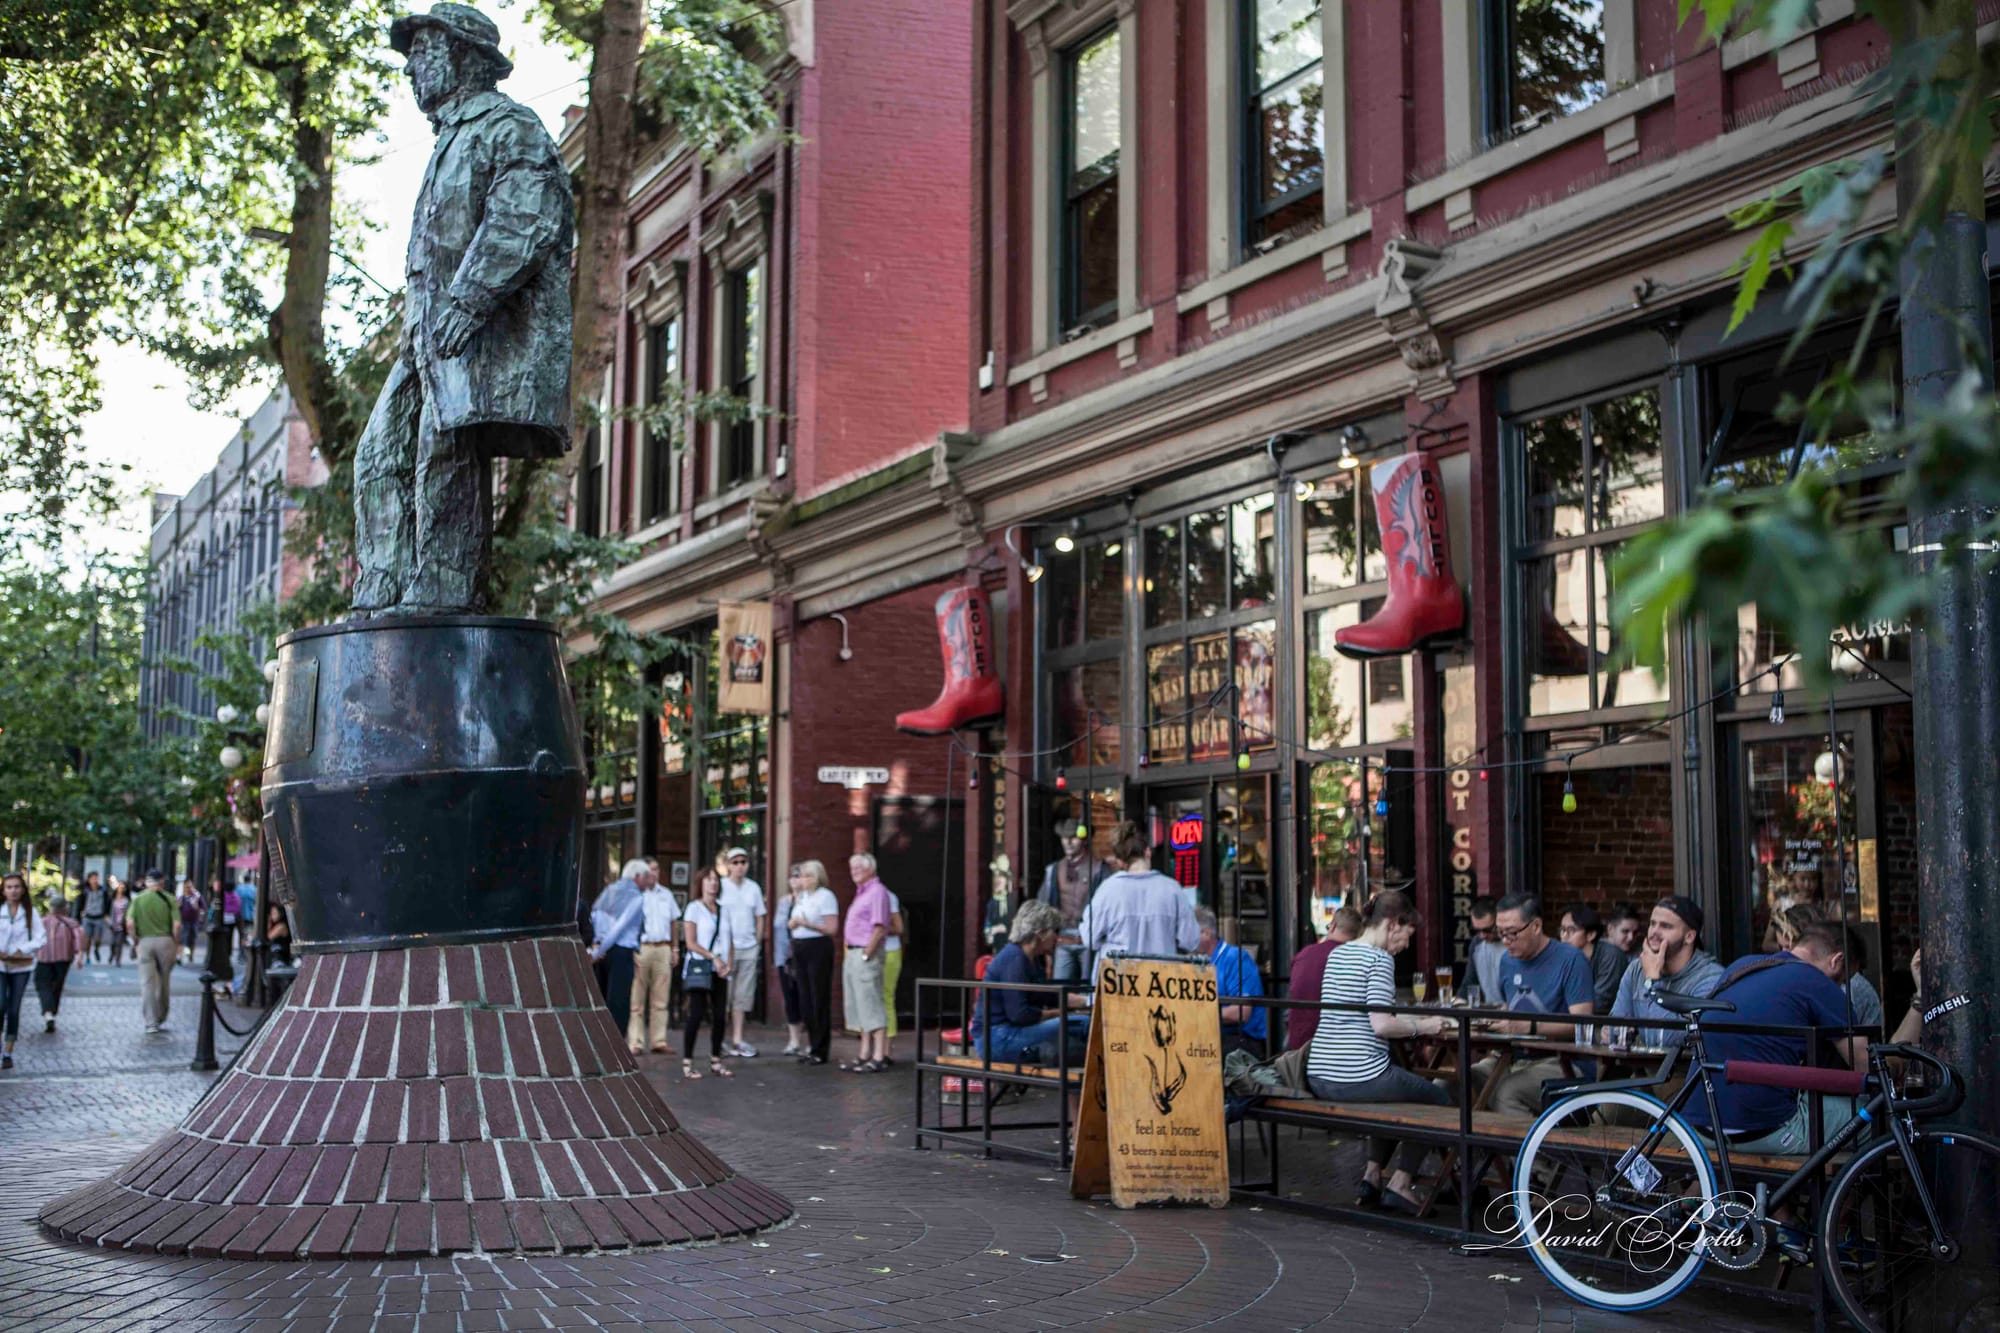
(1129, 294)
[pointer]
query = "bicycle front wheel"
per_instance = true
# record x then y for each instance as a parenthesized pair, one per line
(1889, 1268)
(1614, 1228)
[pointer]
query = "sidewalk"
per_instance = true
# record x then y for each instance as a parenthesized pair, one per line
(886, 1237)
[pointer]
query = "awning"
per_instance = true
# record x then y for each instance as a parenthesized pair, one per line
(247, 861)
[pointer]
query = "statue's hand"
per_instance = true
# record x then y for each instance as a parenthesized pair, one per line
(453, 331)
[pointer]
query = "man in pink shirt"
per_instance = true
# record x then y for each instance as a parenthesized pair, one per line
(1308, 970)
(865, 931)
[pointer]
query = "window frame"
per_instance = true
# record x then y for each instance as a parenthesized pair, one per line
(1070, 317)
(1524, 551)
(1249, 134)
(1497, 71)
(738, 241)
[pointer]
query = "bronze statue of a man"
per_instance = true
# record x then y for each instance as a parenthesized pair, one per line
(483, 368)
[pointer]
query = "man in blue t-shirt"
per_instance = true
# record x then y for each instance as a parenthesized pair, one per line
(1538, 976)
(1798, 988)
(1243, 1025)
(1026, 1025)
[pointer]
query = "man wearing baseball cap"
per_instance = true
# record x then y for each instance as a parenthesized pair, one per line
(1670, 962)
(748, 921)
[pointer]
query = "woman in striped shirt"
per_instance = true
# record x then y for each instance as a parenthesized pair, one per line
(64, 941)
(1349, 1057)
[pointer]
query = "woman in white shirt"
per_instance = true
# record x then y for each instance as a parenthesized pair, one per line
(811, 922)
(705, 983)
(1348, 1060)
(20, 937)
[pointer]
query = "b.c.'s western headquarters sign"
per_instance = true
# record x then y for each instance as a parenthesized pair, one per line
(1151, 1126)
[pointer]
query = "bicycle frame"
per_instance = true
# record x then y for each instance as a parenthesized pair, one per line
(1897, 1117)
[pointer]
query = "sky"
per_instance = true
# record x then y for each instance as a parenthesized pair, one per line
(146, 419)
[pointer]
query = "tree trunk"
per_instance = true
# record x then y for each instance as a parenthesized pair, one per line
(298, 325)
(609, 129)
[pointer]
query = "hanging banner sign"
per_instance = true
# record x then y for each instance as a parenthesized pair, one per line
(1150, 1124)
(744, 680)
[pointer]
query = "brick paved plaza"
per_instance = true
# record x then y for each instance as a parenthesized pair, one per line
(885, 1236)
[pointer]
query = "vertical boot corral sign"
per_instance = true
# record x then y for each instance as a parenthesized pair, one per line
(1424, 603)
(972, 691)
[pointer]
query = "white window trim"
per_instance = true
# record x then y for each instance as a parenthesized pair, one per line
(1625, 96)
(1737, 51)
(1048, 27)
(1227, 139)
(740, 238)
(659, 296)
(607, 521)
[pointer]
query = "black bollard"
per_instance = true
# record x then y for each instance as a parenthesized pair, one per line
(204, 1029)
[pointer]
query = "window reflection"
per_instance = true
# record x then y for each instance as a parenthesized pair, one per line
(1207, 558)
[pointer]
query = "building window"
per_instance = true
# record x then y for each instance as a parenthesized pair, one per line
(1593, 476)
(1285, 119)
(1092, 138)
(660, 491)
(590, 485)
(1207, 597)
(744, 300)
(1544, 59)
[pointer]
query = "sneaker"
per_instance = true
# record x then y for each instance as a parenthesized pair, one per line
(151, 1028)
(792, 1049)
(48, 1025)
(6, 1062)
(745, 1050)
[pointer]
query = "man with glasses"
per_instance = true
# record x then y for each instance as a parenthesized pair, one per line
(748, 921)
(1483, 970)
(1538, 975)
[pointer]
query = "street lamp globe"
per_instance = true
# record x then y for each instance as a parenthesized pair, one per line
(271, 671)
(231, 757)
(226, 714)
(263, 714)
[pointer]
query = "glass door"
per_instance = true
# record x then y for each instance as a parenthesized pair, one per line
(1214, 838)
(1805, 818)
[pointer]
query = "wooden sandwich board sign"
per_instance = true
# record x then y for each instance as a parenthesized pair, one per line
(1150, 1127)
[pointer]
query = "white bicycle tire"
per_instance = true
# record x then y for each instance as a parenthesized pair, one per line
(1670, 1285)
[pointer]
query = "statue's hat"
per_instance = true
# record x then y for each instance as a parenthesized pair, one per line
(461, 21)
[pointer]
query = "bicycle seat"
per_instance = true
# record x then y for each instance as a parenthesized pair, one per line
(1690, 1005)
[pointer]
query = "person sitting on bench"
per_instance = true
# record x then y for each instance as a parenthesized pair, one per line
(1348, 1060)
(1795, 988)
(1023, 1030)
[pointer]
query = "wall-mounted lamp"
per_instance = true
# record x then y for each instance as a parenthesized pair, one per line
(1349, 439)
(1303, 489)
(846, 653)
(1066, 540)
(1028, 567)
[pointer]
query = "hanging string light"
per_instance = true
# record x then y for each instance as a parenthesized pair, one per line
(1062, 780)
(1569, 792)
(1243, 761)
(1778, 708)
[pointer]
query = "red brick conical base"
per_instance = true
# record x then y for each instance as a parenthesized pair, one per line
(425, 1101)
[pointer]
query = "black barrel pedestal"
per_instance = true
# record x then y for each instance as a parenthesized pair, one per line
(443, 1075)
(423, 782)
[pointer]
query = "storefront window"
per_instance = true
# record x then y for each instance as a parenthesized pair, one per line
(1253, 552)
(1166, 574)
(1350, 703)
(1087, 711)
(1593, 474)
(1207, 563)
(1343, 540)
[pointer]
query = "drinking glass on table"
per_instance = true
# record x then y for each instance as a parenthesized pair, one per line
(1444, 985)
(1474, 997)
(1620, 1038)
(1419, 984)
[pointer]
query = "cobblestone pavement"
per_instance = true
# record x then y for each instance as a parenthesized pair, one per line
(885, 1237)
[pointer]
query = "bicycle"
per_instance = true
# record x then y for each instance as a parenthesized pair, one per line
(1617, 1200)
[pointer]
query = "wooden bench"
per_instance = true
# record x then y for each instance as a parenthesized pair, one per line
(1001, 1071)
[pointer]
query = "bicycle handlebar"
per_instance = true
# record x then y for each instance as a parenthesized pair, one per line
(1946, 1097)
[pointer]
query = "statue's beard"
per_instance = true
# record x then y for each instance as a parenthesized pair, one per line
(432, 83)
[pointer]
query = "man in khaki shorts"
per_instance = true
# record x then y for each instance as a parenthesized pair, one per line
(865, 932)
(748, 920)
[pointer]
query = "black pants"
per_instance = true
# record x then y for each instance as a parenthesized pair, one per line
(49, 979)
(788, 986)
(13, 989)
(812, 963)
(618, 971)
(704, 1006)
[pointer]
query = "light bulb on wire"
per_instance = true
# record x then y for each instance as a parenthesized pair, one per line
(1778, 708)
(1569, 794)
(1062, 780)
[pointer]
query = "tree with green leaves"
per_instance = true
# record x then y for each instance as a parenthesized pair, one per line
(1793, 546)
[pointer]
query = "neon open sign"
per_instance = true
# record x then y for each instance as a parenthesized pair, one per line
(1186, 834)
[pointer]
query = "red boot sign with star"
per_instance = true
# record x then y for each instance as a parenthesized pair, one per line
(972, 691)
(1424, 603)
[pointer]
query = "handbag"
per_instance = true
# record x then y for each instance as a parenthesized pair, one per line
(699, 974)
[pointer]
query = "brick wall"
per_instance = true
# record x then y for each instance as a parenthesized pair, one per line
(1617, 846)
(844, 713)
(883, 235)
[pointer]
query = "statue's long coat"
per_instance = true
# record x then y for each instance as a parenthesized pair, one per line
(493, 232)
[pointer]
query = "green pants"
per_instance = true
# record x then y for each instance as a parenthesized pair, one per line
(892, 970)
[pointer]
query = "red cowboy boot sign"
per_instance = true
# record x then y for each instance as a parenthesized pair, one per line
(1424, 603)
(972, 691)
